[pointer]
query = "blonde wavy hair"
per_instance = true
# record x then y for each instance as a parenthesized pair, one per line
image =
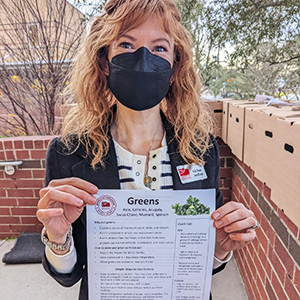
(90, 118)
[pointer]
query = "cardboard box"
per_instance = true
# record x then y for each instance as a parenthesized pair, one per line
(259, 146)
(225, 118)
(216, 110)
(260, 136)
(284, 111)
(236, 125)
(285, 175)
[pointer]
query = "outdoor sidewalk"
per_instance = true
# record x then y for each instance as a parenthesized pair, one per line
(31, 282)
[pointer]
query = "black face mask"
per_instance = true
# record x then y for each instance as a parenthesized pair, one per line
(139, 80)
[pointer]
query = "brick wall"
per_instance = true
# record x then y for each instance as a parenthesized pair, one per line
(19, 192)
(270, 266)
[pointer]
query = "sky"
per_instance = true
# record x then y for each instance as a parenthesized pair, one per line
(84, 8)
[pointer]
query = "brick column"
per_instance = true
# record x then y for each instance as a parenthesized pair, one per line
(19, 193)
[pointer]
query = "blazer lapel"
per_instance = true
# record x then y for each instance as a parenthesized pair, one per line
(106, 177)
(177, 160)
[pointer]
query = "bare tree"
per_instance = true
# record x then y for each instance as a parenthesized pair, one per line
(38, 40)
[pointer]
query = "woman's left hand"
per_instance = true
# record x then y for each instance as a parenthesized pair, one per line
(234, 223)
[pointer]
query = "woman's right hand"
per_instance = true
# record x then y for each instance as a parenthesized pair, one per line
(61, 203)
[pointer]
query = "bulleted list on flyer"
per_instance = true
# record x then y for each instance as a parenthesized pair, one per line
(151, 244)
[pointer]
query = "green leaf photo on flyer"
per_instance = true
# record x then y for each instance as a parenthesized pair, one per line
(192, 207)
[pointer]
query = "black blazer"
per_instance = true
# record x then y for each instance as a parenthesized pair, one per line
(61, 165)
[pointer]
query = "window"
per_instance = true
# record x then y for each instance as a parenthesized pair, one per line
(33, 35)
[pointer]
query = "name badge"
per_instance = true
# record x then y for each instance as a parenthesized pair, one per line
(191, 173)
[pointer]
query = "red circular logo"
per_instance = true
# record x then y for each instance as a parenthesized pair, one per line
(106, 205)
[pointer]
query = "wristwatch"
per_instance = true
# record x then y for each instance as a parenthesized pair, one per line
(54, 246)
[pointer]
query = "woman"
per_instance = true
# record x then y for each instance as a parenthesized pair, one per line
(137, 117)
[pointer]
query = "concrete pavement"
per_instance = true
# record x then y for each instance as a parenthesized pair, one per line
(31, 282)
(228, 284)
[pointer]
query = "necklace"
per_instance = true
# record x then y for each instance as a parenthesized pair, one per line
(147, 179)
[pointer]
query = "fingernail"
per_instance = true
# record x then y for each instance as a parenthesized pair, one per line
(219, 223)
(228, 228)
(92, 200)
(93, 189)
(216, 215)
(233, 236)
(79, 202)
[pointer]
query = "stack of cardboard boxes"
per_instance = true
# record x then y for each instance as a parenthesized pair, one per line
(267, 139)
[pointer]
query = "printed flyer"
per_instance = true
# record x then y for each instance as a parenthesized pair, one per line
(151, 244)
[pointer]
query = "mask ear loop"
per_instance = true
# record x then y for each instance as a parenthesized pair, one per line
(102, 59)
(176, 57)
(175, 61)
(171, 80)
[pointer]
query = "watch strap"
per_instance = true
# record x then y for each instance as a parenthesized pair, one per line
(55, 246)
